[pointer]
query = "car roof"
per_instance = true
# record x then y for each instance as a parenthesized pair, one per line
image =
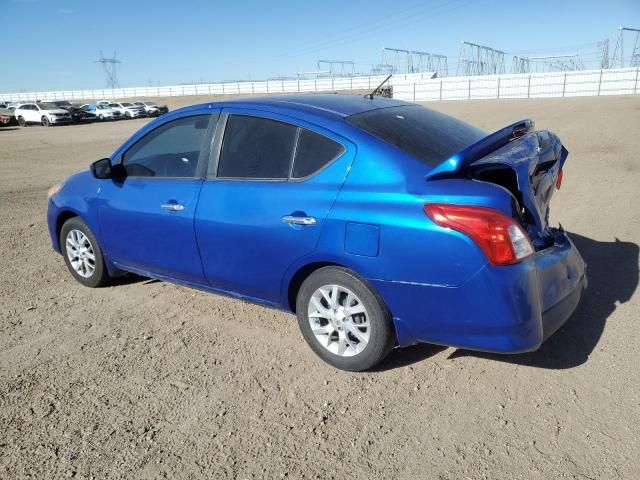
(332, 106)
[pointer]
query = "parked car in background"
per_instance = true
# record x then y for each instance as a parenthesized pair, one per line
(78, 114)
(44, 113)
(7, 117)
(129, 110)
(102, 111)
(152, 108)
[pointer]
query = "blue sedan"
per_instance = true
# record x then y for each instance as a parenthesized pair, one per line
(379, 223)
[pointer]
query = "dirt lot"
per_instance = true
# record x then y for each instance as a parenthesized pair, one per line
(151, 380)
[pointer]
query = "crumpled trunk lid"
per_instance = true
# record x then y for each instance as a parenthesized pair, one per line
(524, 161)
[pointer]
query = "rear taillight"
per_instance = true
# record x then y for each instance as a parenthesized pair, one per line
(501, 239)
(559, 180)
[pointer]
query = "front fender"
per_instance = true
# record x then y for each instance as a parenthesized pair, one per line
(77, 197)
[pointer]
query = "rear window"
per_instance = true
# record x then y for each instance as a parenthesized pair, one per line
(425, 134)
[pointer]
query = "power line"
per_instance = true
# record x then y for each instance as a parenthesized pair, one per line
(618, 54)
(386, 24)
(110, 67)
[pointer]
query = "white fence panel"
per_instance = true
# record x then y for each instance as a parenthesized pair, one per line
(290, 86)
(232, 88)
(307, 86)
(413, 87)
(620, 82)
(485, 87)
(515, 86)
(245, 87)
(535, 85)
(260, 87)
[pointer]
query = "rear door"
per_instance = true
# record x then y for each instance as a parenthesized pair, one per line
(259, 210)
(31, 113)
(147, 218)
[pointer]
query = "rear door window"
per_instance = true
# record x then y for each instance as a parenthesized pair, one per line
(256, 148)
(314, 152)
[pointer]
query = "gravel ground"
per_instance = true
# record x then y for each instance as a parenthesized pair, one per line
(146, 379)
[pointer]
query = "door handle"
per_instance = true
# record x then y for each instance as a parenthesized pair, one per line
(293, 220)
(172, 207)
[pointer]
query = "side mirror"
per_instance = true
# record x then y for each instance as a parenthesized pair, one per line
(101, 169)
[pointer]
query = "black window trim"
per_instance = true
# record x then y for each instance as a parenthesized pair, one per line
(216, 149)
(201, 167)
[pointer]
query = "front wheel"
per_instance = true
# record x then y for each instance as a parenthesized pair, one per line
(45, 122)
(82, 254)
(128, 115)
(343, 320)
(22, 122)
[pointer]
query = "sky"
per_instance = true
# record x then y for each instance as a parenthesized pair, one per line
(52, 44)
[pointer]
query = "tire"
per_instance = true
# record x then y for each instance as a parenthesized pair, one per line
(74, 230)
(45, 122)
(100, 117)
(374, 335)
(127, 115)
(22, 122)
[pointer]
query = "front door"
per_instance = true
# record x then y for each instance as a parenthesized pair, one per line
(265, 202)
(147, 218)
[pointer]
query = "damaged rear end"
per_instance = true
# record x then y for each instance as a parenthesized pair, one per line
(529, 165)
(525, 162)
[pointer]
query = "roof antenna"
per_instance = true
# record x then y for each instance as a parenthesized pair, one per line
(375, 90)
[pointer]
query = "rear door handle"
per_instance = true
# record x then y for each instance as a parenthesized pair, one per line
(294, 220)
(172, 207)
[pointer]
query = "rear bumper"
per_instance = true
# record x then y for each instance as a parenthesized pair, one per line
(507, 309)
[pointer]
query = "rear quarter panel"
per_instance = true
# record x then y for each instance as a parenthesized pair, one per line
(387, 190)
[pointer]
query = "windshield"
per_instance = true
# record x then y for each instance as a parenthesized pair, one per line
(127, 105)
(425, 134)
(103, 107)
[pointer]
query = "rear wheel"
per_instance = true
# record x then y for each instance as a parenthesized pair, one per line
(45, 122)
(22, 122)
(82, 254)
(343, 320)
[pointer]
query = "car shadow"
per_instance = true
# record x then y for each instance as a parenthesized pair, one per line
(612, 271)
(129, 279)
(403, 357)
